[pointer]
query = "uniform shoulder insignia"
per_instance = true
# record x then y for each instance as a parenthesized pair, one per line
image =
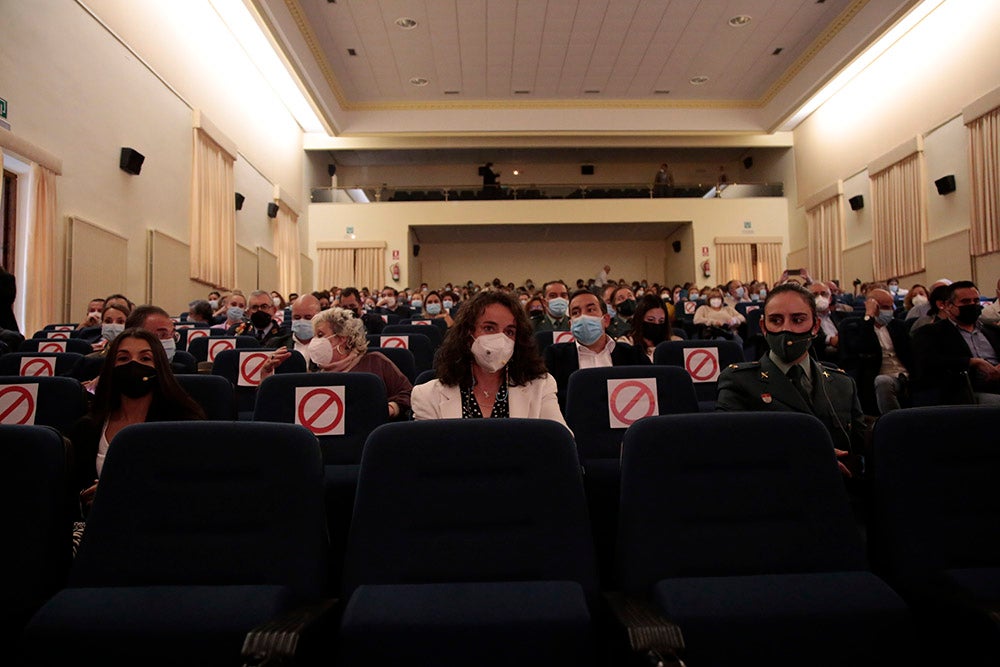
(832, 369)
(744, 366)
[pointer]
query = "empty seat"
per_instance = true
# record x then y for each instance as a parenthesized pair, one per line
(41, 364)
(433, 333)
(44, 401)
(402, 358)
(213, 393)
(76, 345)
(200, 348)
(419, 344)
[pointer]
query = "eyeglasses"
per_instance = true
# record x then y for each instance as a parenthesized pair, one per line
(258, 306)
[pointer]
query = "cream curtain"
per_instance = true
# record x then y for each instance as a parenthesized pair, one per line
(369, 268)
(735, 261)
(41, 272)
(770, 263)
(984, 155)
(826, 232)
(286, 247)
(899, 218)
(213, 213)
(336, 267)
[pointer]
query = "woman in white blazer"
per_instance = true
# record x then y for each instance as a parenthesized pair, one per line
(488, 366)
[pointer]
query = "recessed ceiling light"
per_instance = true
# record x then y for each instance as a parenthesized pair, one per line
(699, 80)
(591, 92)
(522, 92)
(406, 23)
(740, 21)
(419, 81)
(661, 92)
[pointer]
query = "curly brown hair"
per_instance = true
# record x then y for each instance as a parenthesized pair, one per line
(453, 365)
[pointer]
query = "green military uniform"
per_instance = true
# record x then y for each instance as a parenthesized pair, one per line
(547, 323)
(619, 327)
(762, 386)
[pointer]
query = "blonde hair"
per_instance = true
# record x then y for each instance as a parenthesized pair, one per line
(343, 323)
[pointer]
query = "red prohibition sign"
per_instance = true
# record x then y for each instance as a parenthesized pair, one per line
(194, 333)
(331, 399)
(562, 337)
(621, 413)
(251, 371)
(21, 395)
(58, 335)
(52, 346)
(394, 341)
(689, 307)
(46, 367)
(702, 366)
(214, 347)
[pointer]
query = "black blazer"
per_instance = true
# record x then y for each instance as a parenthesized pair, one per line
(861, 353)
(561, 359)
(941, 354)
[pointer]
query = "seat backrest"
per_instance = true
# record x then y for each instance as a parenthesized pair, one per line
(425, 376)
(199, 347)
(699, 500)
(545, 338)
(419, 344)
(602, 402)
(45, 401)
(433, 333)
(341, 409)
(213, 393)
(40, 364)
(242, 368)
(671, 353)
(37, 522)
(934, 499)
(208, 503)
(89, 334)
(470, 500)
(76, 345)
(402, 358)
(421, 321)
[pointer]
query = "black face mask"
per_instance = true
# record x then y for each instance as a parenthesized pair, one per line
(969, 313)
(260, 319)
(789, 346)
(133, 379)
(626, 308)
(654, 333)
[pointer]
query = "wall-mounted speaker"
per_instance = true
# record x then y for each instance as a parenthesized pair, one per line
(945, 184)
(131, 161)
(239, 201)
(747, 162)
(331, 169)
(587, 169)
(677, 246)
(857, 202)
(416, 249)
(272, 210)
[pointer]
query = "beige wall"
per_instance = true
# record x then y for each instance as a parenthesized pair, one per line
(390, 222)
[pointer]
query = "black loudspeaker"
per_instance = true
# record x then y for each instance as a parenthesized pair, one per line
(857, 202)
(587, 169)
(677, 246)
(331, 169)
(416, 249)
(272, 210)
(239, 201)
(945, 184)
(131, 161)
(747, 162)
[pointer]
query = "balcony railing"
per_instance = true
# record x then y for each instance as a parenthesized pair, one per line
(363, 194)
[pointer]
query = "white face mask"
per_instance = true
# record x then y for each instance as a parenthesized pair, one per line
(715, 303)
(920, 300)
(169, 346)
(276, 301)
(321, 351)
(390, 302)
(492, 351)
(110, 331)
(822, 303)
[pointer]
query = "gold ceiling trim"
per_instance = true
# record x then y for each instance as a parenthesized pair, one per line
(310, 38)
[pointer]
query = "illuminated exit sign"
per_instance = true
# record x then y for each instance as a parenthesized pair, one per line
(3, 108)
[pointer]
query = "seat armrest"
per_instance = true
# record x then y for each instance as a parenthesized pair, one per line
(281, 640)
(649, 632)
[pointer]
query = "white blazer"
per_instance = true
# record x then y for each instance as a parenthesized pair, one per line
(535, 400)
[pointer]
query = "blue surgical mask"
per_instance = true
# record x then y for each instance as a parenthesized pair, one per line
(234, 314)
(740, 292)
(763, 294)
(894, 289)
(417, 303)
(448, 304)
(611, 310)
(110, 331)
(302, 329)
(884, 317)
(434, 308)
(587, 329)
(558, 307)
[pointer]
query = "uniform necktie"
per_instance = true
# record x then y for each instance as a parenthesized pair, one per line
(795, 375)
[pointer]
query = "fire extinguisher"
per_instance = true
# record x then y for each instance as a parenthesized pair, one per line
(395, 271)
(706, 269)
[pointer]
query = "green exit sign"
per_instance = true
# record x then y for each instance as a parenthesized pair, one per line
(3, 108)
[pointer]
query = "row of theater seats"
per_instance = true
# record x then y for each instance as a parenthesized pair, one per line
(470, 544)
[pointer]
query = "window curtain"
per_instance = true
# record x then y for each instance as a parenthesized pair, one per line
(213, 213)
(336, 267)
(369, 268)
(984, 155)
(735, 261)
(826, 232)
(899, 218)
(769, 262)
(286, 247)
(41, 273)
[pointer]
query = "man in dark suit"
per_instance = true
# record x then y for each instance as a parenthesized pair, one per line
(262, 324)
(350, 299)
(877, 349)
(593, 348)
(950, 350)
(787, 379)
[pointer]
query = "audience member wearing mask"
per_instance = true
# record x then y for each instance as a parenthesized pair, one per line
(200, 312)
(916, 296)
(991, 311)
(113, 318)
(535, 309)
(650, 326)
(233, 310)
(592, 347)
(299, 331)
(390, 304)
(556, 297)
(352, 300)
(157, 321)
(826, 347)
(717, 319)
(262, 324)
(735, 293)
(488, 366)
(93, 316)
(135, 386)
(934, 310)
(624, 304)
(434, 308)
